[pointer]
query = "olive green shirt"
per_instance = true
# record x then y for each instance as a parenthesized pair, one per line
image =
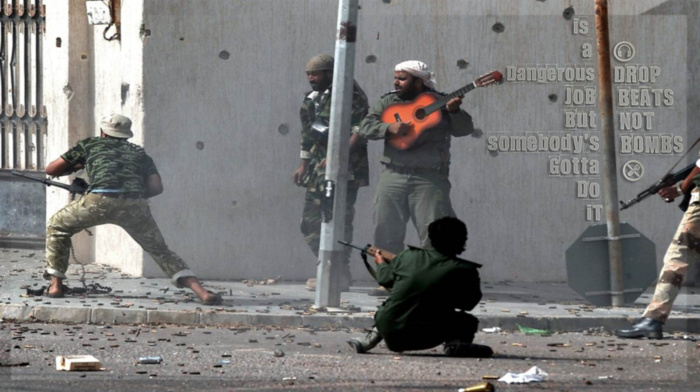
(431, 150)
(425, 284)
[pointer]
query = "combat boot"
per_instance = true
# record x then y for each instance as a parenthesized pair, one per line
(647, 327)
(370, 341)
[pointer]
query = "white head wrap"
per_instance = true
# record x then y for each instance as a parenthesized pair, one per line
(418, 69)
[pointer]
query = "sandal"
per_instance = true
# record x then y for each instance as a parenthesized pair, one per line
(64, 289)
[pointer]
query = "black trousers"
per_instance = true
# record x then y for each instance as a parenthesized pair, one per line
(430, 333)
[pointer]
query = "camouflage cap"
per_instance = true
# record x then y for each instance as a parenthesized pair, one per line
(320, 62)
(116, 125)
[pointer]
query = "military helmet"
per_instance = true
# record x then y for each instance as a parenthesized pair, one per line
(320, 62)
(116, 125)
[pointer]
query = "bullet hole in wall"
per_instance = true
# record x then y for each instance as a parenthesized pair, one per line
(200, 146)
(283, 129)
(68, 91)
(58, 42)
(552, 98)
(371, 59)
(462, 64)
(386, 1)
(498, 27)
(224, 55)
(493, 153)
(568, 13)
(144, 32)
(83, 56)
(182, 38)
(125, 92)
(234, 203)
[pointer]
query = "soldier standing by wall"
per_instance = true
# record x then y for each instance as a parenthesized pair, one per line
(122, 179)
(315, 115)
(683, 250)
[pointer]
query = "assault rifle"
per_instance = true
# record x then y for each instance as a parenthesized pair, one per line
(388, 256)
(668, 180)
(371, 250)
(78, 185)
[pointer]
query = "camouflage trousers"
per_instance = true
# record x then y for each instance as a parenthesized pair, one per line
(683, 251)
(312, 218)
(133, 215)
(422, 198)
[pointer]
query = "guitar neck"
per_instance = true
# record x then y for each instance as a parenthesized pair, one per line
(442, 101)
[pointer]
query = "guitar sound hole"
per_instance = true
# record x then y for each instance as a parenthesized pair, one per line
(420, 114)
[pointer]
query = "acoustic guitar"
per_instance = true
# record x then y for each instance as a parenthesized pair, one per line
(424, 112)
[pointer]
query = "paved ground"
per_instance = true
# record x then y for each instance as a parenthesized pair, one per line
(271, 358)
(287, 304)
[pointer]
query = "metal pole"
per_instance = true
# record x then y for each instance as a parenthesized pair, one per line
(610, 198)
(337, 157)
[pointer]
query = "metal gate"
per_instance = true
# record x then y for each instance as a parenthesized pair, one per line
(23, 114)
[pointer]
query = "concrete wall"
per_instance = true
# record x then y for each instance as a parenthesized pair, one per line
(22, 204)
(214, 89)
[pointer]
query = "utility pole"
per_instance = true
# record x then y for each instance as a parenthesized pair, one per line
(337, 159)
(610, 198)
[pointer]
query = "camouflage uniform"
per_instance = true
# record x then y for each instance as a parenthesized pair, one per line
(684, 250)
(415, 182)
(317, 106)
(116, 171)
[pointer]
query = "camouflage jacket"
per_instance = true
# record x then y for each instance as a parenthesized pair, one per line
(317, 108)
(113, 164)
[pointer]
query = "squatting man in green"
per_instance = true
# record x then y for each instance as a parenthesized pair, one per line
(122, 178)
(431, 291)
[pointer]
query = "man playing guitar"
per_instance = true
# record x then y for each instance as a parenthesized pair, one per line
(414, 184)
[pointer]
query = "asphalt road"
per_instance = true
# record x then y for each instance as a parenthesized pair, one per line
(244, 359)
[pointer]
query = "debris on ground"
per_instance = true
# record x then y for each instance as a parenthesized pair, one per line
(483, 387)
(77, 363)
(534, 374)
(263, 282)
(533, 331)
(150, 360)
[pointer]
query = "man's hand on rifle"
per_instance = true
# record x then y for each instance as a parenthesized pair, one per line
(378, 258)
(669, 193)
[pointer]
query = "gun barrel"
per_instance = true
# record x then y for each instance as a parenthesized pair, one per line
(42, 180)
(352, 246)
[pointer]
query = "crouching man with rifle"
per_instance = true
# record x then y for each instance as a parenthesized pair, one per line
(684, 249)
(431, 291)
